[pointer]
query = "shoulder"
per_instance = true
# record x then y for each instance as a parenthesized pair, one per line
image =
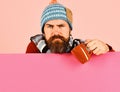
(32, 46)
(37, 38)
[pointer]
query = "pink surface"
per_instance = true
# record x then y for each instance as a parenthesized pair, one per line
(59, 73)
(20, 19)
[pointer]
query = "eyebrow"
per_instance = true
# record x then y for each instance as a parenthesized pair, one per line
(53, 25)
(49, 24)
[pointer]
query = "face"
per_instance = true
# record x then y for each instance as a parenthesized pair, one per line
(57, 33)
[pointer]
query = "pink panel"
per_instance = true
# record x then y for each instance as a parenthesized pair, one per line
(59, 73)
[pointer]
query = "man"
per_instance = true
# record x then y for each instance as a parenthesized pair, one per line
(56, 27)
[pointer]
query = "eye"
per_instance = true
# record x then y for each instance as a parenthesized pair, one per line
(61, 25)
(50, 26)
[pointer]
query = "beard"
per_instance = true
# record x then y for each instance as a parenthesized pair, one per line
(57, 44)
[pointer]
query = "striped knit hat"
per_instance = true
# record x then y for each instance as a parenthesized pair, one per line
(56, 11)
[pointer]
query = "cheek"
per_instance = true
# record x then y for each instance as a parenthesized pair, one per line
(66, 34)
(47, 34)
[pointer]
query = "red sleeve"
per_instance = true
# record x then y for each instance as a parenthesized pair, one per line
(31, 48)
(110, 48)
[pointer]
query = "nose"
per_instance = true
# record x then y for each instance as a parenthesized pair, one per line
(56, 30)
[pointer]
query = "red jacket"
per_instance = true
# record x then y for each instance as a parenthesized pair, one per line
(32, 46)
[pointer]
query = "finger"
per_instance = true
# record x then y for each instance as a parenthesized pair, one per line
(87, 41)
(91, 43)
(93, 47)
(96, 51)
(99, 52)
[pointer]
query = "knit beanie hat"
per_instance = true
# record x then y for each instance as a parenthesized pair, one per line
(56, 11)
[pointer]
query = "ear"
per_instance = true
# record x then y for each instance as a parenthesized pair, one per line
(43, 34)
(70, 31)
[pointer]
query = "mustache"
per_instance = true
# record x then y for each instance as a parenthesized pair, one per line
(57, 36)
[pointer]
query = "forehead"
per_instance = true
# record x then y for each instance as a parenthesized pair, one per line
(56, 22)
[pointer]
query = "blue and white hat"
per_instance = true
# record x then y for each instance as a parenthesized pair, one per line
(56, 11)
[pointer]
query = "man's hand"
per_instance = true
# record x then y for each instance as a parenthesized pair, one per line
(98, 47)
